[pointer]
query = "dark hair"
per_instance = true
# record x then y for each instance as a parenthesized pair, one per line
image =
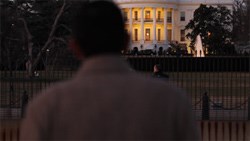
(99, 28)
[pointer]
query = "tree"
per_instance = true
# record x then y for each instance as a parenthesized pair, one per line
(11, 36)
(37, 26)
(241, 21)
(247, 2)
(214, 25)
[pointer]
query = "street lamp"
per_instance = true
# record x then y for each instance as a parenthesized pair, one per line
(209, 33)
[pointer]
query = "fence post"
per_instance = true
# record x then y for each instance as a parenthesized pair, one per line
(205, 107)
(248, 116)
(248, 110)
(25, 100)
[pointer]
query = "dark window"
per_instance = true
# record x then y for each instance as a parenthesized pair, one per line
(169, 34)
(159, 15)
(125, 14)
(182, 16)
(136, 15)
(136, 34)
(126, 31)
(169, 17)
(182, 35)
(159, 34)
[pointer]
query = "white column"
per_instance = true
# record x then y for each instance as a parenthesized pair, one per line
(142, 25)
(131, 26)
(165, 26)
(154, 25)
(173, 24)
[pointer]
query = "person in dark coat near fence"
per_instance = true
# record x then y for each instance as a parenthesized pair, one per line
(157, 72)
(205, 106)
(106, 100)
(25, 100)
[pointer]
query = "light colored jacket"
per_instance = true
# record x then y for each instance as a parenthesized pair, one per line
(107, 100)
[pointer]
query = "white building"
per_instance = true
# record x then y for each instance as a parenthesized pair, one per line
(154, 23)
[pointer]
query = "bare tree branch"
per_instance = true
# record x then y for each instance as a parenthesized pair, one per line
(60, 39)
(26, 28)
(65, 27)
(49, 40)
(29, 37)
(30, 46)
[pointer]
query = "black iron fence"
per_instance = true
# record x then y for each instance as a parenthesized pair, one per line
(219, 87)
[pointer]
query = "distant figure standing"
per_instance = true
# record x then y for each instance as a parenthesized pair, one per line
(158, 72)
(106, 100)
(25, 100)
(205, 106)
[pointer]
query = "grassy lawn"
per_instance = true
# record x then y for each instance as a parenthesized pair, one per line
(230, 88)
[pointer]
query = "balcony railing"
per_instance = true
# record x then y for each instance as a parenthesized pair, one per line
(137, 20)
(159, 20)
(148, 20)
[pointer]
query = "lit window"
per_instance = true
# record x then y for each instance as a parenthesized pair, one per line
(182, 16)
(147, 14)
(147, 34)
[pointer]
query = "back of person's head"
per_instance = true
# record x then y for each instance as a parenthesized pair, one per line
(98, 28)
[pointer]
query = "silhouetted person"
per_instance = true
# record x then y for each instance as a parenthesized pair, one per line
(160, 51)
(25, 100)
(205, 107)
(158, 72)
(105, 99)
(135, 51)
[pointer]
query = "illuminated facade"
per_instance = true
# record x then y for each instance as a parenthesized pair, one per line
(154, 23)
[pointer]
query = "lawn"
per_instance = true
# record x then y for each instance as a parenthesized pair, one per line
(218, 85)
(231, 89)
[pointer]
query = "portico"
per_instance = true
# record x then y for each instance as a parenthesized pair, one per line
(152, 24)
(148, 26)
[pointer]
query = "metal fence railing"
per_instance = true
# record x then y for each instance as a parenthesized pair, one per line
(219, 87)
(225, 81)
(209, 130)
